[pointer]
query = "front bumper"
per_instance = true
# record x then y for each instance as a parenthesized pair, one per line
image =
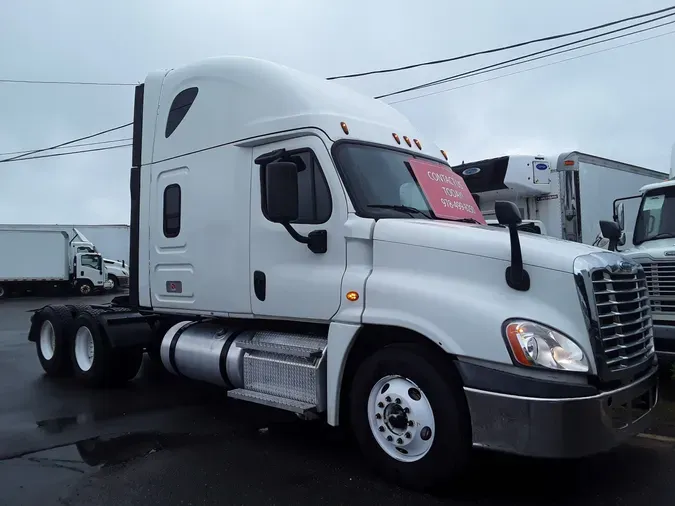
(561, 427)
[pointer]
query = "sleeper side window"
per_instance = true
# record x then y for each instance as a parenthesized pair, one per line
(172, 210)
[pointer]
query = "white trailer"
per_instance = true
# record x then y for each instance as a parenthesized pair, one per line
(36, 260)
(341, 271)
(570, 193)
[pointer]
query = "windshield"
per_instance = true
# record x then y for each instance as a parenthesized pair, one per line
(382, 184)
(656, 217)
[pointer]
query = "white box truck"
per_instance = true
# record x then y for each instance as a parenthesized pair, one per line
(569, 193)
(305, 248)
(112, 237)
(36, 260)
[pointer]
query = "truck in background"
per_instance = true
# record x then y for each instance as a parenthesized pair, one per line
(111, 236)
(38, 260)
(650, 224)
(569, 193)
(342, 271)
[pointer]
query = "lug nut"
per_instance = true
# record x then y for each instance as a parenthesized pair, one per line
(381, 429)
(389, 438)
(411, 423)
(399, 441)
(378, 416)
(380, 404)
(406, 410)
(398, 401)
(408, 435)
(387, 398)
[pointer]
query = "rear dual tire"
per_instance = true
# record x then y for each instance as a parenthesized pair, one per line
(68, 346)
(409, 415)
(95, 362)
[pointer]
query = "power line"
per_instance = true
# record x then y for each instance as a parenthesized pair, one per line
(68, 83)
(498, 49)
(531, 68)
(70, 146)
(543, 51)
(52, 155)
(102, 132)
(405, 99)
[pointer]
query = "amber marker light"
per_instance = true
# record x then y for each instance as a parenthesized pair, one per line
(407, 141)
(445, 155)
(396, 138)
(352, 296)
(417, 143)
(345, 128)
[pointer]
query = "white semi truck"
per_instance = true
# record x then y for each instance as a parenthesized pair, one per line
(651, 229)
(37, 260)
(569, 193)
(304, 247)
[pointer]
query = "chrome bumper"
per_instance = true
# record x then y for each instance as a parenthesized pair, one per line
(561, 428)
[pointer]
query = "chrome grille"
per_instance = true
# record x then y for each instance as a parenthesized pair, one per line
(661, 285)
(623, 317)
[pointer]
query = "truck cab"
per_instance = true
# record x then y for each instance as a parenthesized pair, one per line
(306, 248)
(653, 246)
(89, 272)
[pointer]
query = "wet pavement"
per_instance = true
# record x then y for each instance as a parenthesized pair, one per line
(163, 440)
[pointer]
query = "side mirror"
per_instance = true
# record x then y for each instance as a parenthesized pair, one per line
(619, 214)
(611, 231)
(281, 192)
(507, 213)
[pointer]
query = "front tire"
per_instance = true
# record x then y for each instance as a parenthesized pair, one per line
(85, 288)
(115, 283)
(410, 417)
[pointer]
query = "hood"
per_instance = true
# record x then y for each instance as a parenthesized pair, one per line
(660, 249)
(481, 240)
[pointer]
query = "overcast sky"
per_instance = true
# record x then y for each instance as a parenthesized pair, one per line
(617, 104)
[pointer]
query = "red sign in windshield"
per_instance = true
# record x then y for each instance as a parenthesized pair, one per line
(445, 191)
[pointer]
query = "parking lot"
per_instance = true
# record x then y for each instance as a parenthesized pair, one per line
(163, 440)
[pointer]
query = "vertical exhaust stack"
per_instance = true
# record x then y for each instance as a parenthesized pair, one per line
(135, 192)
(672, 162)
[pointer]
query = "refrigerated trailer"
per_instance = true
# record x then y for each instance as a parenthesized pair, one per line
(570, 193)
(36, 260)
(342, 271)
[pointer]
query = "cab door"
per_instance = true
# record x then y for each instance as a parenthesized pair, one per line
(90, 266)
(287, 279)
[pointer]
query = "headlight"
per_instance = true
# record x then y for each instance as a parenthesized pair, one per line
(534, 344)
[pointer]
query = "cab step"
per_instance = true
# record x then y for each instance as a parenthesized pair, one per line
(273, 401)
(281, 349)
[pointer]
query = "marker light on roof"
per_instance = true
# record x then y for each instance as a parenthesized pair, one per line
(569, 162)
(417, 143)
(445, 155)
(345, 129)
(396, 138)
(407, 141)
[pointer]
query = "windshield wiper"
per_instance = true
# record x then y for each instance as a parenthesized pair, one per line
(463, 220)
(410, 211)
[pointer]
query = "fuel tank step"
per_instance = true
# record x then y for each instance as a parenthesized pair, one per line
(273, 401)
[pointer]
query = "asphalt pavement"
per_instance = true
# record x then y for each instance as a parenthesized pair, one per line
(165, 440)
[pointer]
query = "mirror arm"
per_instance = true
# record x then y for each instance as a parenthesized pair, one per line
(316, 241)
(516, 275)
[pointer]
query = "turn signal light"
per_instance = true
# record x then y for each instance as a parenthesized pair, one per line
(352, 296)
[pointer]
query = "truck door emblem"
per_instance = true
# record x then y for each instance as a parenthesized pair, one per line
(470, 171)
(541, 166)
(626, 266)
